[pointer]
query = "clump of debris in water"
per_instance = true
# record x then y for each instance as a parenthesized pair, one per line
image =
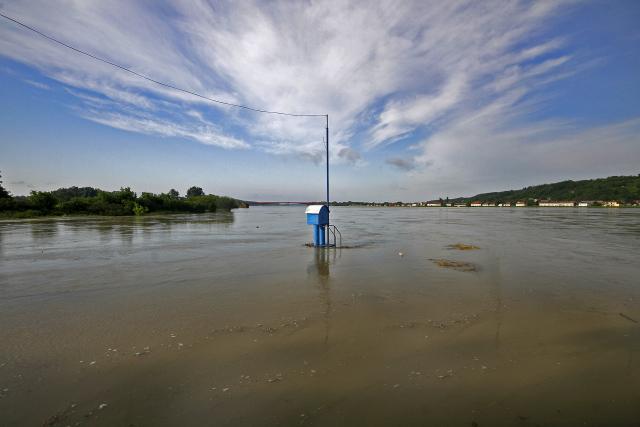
(455, 265)
(463, 247)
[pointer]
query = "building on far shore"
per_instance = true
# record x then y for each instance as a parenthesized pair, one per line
(460, 205)
(489, 204)
(521, 204)
(556, 204)
(611, 204)
(585, 203)
(476, 204)
(434, 203)
(504, 205)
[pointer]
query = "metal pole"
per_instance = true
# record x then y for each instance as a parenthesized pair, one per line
(327, 116)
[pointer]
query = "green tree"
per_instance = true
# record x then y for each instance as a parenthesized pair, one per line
(195, 191)
(173, 193)
(42, 201)
(4, 194)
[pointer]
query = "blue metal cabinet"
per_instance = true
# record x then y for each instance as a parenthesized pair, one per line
(318, 216)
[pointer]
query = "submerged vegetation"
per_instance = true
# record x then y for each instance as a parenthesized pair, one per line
(455, 265)
(93, 201)
(463, 247)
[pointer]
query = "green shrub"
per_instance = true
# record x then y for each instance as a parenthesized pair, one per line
(138, 209)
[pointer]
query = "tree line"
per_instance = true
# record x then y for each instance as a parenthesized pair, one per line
(625, 189)
(93, 201)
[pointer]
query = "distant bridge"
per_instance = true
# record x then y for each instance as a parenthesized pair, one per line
(252, 203)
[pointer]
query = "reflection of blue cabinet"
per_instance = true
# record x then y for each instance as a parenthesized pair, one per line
(318, 216)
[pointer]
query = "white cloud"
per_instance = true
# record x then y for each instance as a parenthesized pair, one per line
(38, 85)
(493, 150)
(402, 117)
(207, 134)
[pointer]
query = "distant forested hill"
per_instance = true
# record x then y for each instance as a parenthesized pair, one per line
(621, 188)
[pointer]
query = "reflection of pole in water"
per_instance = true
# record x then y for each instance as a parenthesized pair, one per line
(497, 280)
(320, 269)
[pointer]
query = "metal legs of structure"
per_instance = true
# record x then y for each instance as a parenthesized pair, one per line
(319, 235)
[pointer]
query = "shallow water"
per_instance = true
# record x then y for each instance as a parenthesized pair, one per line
(229, 319)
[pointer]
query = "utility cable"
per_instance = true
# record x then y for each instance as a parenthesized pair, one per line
(170, 86)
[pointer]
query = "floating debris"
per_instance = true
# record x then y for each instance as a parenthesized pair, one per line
(144, 352)
(400, 254)
(463, 247)
(60, 416)
(627, 317)
(449, 374)
(438, 324)
(454, 265)
(102, 406)
(275, 379)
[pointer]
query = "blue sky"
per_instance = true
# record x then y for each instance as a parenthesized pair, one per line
(426, 99)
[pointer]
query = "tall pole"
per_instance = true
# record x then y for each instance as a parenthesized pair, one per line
(328, 209)
(327, 116)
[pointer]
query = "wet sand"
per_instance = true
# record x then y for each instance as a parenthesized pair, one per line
(208, 320)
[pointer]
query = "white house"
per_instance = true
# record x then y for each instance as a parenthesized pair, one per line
(556, 204)
(476, 204)
(611, 204)
(521, 204)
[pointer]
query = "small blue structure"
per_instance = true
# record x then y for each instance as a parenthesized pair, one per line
(318, 216)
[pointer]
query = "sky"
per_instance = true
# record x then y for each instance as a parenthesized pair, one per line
(425, 99)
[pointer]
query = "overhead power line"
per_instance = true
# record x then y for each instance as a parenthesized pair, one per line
(167, 85)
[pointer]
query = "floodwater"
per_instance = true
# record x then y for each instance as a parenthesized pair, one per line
(229, 319)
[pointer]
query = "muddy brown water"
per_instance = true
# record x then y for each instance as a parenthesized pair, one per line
(208, 320)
